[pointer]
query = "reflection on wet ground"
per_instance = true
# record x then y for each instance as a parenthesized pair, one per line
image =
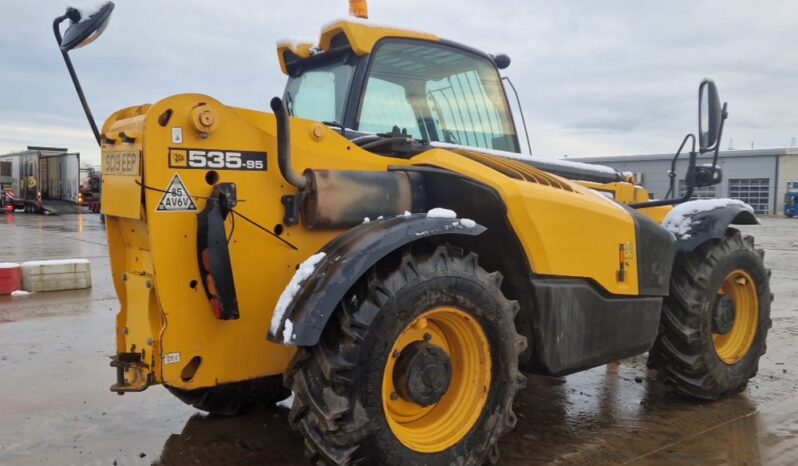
(603, 416)
(56, 408)
(258, 437)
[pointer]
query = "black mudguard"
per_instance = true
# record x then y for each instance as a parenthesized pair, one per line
(656, 248)
(346, 259)
(711, 224)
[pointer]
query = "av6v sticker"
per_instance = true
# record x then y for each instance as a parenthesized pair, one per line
(217, 159)
(176, 198)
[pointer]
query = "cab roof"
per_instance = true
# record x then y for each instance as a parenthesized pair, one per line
(361, 36)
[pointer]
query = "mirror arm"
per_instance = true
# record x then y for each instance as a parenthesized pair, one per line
(672, 174)
(521, 111)
(690, 188)
(723, 115)
(57, 31)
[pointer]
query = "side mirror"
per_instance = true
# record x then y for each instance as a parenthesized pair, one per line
(501, 61)
(86, 25)
(707, 175)
(710, 116)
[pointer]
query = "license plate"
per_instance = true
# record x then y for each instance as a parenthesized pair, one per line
(122, 163)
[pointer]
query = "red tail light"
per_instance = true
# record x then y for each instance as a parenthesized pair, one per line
(206, 260)
(216, 307)
(210, 285)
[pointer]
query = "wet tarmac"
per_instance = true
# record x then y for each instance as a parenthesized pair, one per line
(55, 407)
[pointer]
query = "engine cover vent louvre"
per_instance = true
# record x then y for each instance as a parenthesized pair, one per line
(515, 169)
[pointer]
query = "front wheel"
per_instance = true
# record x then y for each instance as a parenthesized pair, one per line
(716, 319)
(418, 367)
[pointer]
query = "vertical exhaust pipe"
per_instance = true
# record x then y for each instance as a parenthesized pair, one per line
(284, 146)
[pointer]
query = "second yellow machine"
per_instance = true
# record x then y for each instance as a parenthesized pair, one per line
(378, 245)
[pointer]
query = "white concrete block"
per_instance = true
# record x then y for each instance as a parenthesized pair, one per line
(52, 275)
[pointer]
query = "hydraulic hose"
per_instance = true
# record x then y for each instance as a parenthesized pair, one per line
(284, 145)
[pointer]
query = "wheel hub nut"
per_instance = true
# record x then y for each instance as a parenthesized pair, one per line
(423, 373)
(724, 315)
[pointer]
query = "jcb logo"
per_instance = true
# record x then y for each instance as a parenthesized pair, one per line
(216, 159)
(178, 158)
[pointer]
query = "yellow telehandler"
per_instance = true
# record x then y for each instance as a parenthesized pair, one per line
(379, 245)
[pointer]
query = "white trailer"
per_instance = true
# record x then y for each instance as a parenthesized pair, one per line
(41, 178)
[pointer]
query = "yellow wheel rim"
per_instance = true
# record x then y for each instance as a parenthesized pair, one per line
(734, 345)
(439, 426)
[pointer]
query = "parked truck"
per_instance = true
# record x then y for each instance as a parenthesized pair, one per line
(40, 178)
(791, 199)
(90, 183)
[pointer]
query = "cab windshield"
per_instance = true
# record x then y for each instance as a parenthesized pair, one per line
(436, 93)
(430, 91)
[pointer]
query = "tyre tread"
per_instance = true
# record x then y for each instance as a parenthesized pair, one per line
(679, 354)
(334, 426)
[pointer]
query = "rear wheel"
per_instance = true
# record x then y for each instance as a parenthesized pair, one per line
(419, 367)
(233, 398)
(716, 319)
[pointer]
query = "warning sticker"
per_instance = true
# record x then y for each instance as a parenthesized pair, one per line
(176, 198)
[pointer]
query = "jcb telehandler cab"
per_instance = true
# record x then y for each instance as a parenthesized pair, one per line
(379, 246)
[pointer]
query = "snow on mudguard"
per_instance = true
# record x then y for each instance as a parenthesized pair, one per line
(308, 301)
(695, 222)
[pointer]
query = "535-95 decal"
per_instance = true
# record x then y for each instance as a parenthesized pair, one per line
(217, 159)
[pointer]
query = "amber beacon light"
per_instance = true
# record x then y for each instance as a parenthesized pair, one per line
(359, 8)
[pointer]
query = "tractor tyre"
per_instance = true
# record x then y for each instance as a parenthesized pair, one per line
(417, 367)
(715, 322)
(233, 398)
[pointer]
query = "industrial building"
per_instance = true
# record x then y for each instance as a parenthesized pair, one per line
(758, 177)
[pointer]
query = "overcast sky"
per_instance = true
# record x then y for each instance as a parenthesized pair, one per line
(595, 78)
